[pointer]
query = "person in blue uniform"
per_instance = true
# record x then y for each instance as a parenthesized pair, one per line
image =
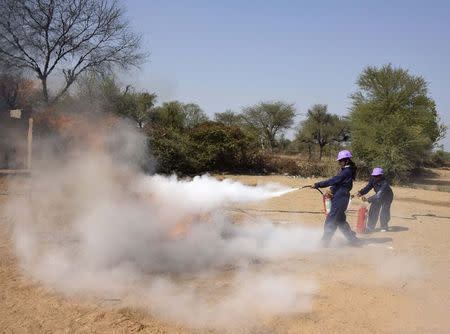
(381, 201)
(341, 185)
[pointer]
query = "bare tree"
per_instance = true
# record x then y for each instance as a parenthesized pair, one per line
(68, 36)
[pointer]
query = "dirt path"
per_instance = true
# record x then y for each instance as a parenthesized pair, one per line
(398, 282)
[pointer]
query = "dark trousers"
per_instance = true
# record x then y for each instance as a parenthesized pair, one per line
(337, 219)
(380, 208)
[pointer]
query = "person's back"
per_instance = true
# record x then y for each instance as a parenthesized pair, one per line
(380, 201)
(381, 187)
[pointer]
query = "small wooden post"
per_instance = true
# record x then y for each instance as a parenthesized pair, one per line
(30, 142)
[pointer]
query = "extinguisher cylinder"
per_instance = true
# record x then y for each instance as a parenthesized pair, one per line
(361, 222)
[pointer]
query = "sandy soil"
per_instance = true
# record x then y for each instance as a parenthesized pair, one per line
(398, 282)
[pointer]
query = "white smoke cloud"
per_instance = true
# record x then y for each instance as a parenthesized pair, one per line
(96, 226)
(252, 296)
(206, 193)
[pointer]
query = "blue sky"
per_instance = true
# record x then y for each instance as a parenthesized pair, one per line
(229, 54)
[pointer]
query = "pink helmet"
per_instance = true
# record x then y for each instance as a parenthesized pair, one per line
(344, 154)
(377, 171)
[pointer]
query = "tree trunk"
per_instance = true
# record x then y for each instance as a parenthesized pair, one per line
(272, 141)
(320, 152)
(44, 89)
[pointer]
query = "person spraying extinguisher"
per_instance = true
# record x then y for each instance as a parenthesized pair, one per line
(381, 201)
(340, 186)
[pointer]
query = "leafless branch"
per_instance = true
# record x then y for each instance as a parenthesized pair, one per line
(66, 36)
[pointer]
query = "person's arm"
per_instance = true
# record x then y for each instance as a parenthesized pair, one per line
(366, 189)
(334, 180)
(380, 192)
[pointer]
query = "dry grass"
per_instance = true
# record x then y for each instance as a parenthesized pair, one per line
(397, 283)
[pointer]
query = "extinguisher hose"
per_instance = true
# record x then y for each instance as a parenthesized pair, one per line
(351, 211)
(411, 217)
(310, 187)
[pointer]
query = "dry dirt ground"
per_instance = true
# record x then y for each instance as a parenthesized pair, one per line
(398, 282)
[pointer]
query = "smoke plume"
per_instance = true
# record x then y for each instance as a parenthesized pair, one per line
(96, 225)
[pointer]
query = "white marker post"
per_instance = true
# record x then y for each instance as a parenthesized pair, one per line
(30, 143)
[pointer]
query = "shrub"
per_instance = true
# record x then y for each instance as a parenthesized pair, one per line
(207, 147)
(170, 148)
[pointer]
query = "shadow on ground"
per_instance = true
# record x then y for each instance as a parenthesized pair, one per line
(430, 182)
(368, 241)
(392, 229)
(398, 228)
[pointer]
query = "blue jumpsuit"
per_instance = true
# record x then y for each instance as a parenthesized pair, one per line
(381, 200)
(341, 185)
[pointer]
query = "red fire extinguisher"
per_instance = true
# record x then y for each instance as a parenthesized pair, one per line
(361, 222)
(326, 203)
(326, 199)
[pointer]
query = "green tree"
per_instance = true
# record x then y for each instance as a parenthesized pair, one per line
(208, 146)
(302, 143)
(269, 119)
(103, 93)
(171, 148)
(229, 118)
(178, 116)
(322, 128)
(217, 147)
(95, 92)
(194, 115)
(170, 115)
(92, 93)
(394, 122)
(283, 143)
(136, 106)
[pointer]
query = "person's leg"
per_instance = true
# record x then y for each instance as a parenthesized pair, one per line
(328, 230)
(345, 228)
(341, 220)
(336, 218)
(374, 212)
(385, 215)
